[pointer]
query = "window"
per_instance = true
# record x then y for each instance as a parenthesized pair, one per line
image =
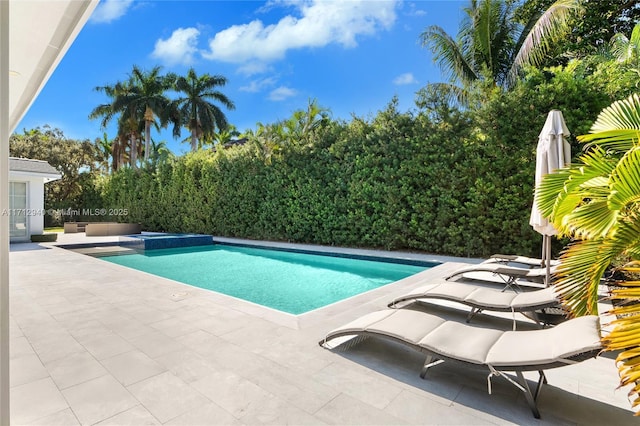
(17, 207)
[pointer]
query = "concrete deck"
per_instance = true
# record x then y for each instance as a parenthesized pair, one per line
(97, 343)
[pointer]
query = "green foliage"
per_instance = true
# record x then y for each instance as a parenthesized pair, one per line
(75, 160)
(437, 180)
(591, 29)
(44, 238)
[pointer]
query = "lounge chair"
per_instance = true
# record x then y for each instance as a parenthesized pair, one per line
(508, 274)
(482, 298)
(530, 262)
(496, 351)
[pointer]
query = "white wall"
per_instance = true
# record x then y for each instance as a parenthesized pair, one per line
(35, 204)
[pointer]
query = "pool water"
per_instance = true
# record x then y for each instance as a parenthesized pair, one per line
(287, 281)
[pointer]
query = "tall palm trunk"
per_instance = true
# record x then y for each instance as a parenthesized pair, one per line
(194, 140)
(133, 156)
(148, 119)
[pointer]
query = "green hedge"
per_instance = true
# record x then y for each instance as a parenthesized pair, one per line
(448, 181)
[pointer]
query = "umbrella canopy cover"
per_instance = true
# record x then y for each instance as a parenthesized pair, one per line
(553, 152)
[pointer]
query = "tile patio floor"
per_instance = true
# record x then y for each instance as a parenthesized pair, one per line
(96, 343)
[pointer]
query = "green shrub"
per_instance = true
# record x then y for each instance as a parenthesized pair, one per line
(438, 180)
(44, 238)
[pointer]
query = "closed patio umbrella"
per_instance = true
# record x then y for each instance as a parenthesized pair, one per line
(553, 152)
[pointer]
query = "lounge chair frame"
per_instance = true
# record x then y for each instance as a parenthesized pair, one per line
(508, 274)
(434, 358)
(435, 291)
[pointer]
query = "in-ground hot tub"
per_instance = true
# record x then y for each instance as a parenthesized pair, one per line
(165, 241)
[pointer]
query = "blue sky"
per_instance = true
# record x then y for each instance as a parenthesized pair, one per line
(352, 56)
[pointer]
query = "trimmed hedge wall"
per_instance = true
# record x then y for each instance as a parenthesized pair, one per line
(440, 181)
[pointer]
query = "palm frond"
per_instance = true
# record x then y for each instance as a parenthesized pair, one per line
(577, 278)
(617, 126)
(447, 54)
(540, 32)
(625, 335)
(625, 181)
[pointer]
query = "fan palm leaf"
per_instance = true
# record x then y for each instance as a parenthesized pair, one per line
(596, 201)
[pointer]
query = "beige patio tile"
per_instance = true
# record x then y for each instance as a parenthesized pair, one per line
(361, 383)
(174, 327)
(131, 367)
(61, 418)
(299, 390)
(209, 414)
(104, 346)
(55, 347)
(156, 344)
(20, 346)
(98, 399)
(25, 369)
(420, 409)
(346, 410)
(232, 392)
(136, 416)
(187, 365)
(159, 394)
(274, 411)
(74, 369)
(35, 400)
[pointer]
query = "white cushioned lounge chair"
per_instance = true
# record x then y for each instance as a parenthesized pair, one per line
(496, 351)
(508, 274)
(531, 262)
(482, 298)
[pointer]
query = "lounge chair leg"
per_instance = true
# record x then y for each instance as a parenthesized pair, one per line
(473, 313)
(428, 363)
(528, 395)
(541, 381)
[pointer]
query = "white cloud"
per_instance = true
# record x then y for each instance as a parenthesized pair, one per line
(282, 93)
(179, 48)
(320, 23)
(259, 85)
(404, 79)
(253, 67)
(110, 10)
(414, 11)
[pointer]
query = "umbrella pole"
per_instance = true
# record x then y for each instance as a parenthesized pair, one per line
(547, 247)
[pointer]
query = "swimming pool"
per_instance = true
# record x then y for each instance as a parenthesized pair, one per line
(291, 282)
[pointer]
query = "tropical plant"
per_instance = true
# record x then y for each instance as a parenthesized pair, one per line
(128, 123)
(225, 135)
(75, 160)
(160, 153)
(304, 122)
(596, 202)
(147, 98)
(104, 147)
(195, 110)
(590, 30)
(627, 50)
(491, 46)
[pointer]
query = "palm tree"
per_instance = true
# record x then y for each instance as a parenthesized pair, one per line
(303, 123)
(596, 202)
(126, 116)
(147, 98)
(105, 148)
(195, 111)
(491, 46)
(224, 136)
(160, 153)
